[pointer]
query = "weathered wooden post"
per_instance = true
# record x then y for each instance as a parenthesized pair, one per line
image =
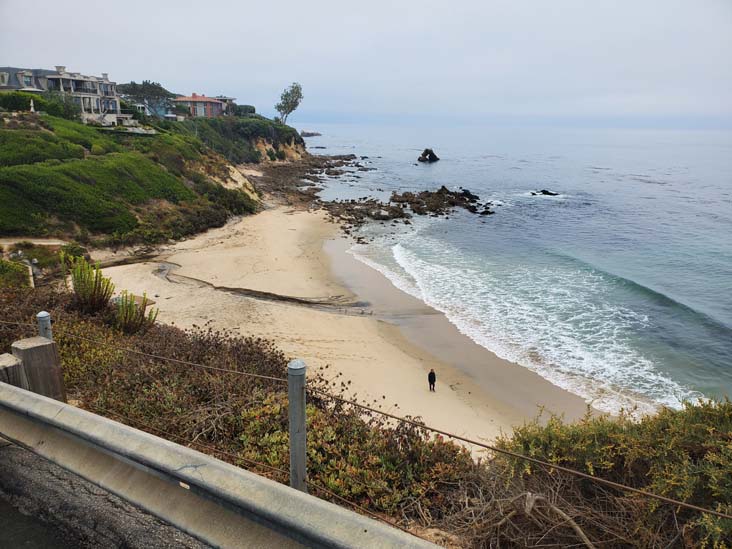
(44, 324)
(298, 445)
(42, 365)
(12, 371)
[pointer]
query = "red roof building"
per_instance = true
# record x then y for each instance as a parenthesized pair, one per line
(200, 105)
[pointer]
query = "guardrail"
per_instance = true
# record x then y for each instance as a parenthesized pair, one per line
(214, 501)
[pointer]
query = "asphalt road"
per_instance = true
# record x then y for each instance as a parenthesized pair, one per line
(42, 505)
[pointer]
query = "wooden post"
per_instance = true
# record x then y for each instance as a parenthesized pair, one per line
(44, 324)
(12, 371)
(42, 366)
(298, 444)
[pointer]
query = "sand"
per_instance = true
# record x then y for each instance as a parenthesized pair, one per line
(384, 348)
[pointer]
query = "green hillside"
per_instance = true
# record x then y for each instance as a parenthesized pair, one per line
(60, 177)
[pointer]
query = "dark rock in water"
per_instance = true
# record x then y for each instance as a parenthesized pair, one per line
(428, 155)
(544, 192)
(470, 196)
(316, 147)
(364, 157)
(310, 134)
(486, 212)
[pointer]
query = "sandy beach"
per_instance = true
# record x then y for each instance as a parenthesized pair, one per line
(385, 345)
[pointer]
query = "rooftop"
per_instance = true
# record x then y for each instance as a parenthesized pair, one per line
(196, 97)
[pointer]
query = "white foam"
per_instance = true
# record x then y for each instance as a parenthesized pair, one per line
(553, 321)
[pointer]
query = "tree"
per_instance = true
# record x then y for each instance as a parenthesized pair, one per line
(289, 101)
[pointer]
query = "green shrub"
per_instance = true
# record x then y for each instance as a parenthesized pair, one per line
(244, 110)
(272, 155)
(281, 154)
(97, 149)
(13, 275)
(131, 317)
(92, 290)
(55, 104)
(682, 454)
(45, 256)
(233, 137)
(80, 134)
(29, 146)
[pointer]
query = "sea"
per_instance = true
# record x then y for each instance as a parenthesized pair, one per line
(618, 289)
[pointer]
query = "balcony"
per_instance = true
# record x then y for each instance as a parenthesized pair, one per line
(92, 91)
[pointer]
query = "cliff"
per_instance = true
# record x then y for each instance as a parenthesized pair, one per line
(244, 139)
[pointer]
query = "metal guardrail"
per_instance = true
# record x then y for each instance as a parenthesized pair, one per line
(205, 497)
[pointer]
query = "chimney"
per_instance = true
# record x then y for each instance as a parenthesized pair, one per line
(105, 75)
(194, 94)
(60, 68)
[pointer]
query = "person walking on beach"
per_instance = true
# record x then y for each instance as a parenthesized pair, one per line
(432, 377)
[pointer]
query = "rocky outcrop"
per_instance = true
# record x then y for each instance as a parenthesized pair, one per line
(310, 134)
(402, 206)
(544, 192)
(428, 155)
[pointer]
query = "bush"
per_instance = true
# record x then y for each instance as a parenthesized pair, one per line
(45, 256)
(682, 454)
(29, 146)
(92, 290)
(51, 103)
(244, 110)
(271, 154)
(233, 137)
(130, 316)
(13, 275)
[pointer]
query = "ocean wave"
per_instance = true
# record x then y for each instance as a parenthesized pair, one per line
(548, 320)
(652, 294)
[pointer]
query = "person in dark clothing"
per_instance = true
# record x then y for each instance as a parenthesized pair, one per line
(432, 377)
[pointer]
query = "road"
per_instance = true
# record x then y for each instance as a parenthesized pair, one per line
(45, 506)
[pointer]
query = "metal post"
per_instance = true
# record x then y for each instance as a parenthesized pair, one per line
(44, 325)
(296, 395)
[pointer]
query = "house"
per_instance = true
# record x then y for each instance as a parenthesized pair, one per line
(229, 103)
(96, 95)
(200, 105)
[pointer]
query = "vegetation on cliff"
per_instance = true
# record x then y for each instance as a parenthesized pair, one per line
(62, 177)
(400, 471)
(235, 137)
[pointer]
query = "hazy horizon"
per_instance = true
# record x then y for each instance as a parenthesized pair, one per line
(568, 63)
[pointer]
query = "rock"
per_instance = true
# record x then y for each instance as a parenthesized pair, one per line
(470, 196)
(428, 155)
(544, 192)
(486, 212)
(310, 134)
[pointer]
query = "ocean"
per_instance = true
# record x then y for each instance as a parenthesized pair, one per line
(619, 289)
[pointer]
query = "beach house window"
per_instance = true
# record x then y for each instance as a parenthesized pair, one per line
(27, 81)
(4, 78)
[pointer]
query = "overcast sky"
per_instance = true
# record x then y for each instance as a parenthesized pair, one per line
(559, 60)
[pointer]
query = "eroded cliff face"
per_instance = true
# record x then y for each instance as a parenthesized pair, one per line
(236, 180)
(287, 151)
